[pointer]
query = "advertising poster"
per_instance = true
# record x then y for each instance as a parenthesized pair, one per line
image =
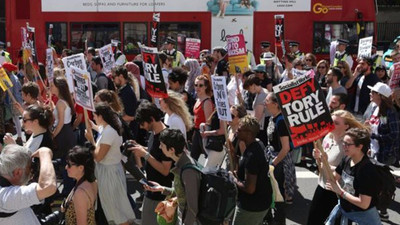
(83, 92)
(107, 58)
(221, 97)
(192, 48)
(237, 54)
(49, 64)
(78, 61)
(155, 84)
(304, 108)
(365, 47)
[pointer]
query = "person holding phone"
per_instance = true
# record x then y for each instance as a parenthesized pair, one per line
(186, 183)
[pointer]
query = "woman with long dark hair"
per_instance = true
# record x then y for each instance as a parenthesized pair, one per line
(109, 172)
(79, 206)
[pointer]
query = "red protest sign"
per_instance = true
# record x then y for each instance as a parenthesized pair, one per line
(395, 79)
(304, 108)
(279, 29)
(237, 54)
(155, 84)
(192, 48)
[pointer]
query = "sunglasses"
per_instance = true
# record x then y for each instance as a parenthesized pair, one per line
(70, 164)
(24, 120)
(309, 60)
(345, 144)
(321, 67)
(199, 85)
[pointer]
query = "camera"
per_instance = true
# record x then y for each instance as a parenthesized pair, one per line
(56, 218)
(125, 146)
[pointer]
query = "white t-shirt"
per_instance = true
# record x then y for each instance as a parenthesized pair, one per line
(109, 136)
(232, 98)
(374, 123)
(175, 122)
(19, 198)
(34, 142)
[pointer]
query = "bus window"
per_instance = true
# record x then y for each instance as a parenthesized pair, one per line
(59, 39)
(325, 33)
(133, 33)
(185, 30)
(97, 35)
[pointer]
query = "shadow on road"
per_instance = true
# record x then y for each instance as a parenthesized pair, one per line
(298, 211)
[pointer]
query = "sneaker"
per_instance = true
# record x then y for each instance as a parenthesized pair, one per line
(384, 216)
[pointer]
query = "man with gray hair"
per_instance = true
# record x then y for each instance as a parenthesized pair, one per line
(16, 196)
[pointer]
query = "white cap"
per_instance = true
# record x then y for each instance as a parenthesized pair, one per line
(382, 89)
(267, 56)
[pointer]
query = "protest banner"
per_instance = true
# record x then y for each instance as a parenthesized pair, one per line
(78, 61)
(5, 82)
(192, 48)
(24, 40)
(154, 30)
(50, 37)
(107, 58)
(237, 54)
(31, 46)
(365, 47)
(304, 109)
(280, 33)
(155, 84)
(83, 92)
(221, 97)
(49, 64)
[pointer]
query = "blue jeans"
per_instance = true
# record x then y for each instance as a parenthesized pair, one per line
(368, 217)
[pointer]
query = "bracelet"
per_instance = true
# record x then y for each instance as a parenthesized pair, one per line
(341, 194)
(147, 156)
(344, 195)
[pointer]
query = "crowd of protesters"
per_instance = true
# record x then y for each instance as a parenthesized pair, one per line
(164, 135)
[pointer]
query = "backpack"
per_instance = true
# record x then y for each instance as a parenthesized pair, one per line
(217, 194)
(110, 84)
(387, 185)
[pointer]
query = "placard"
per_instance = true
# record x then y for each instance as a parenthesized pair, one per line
(155, 84)
(83, 92)
(237, 54)
(107, 58)
(49, 64)
(31, 46)
(192, 48)
(279, 30)
(221, 97)
(304, 109)
(365, 47)
(5, 82)
(78, 61)
(154, 30)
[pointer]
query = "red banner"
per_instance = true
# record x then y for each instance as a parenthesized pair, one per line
(304, 108)
(192, 48)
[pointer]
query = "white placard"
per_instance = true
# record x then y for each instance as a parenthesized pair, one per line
(83, 92)
(49, 64)
(221, 97)
(77, 60)
(365, 47)
(284, 5)
(230, 25)
(107, 58)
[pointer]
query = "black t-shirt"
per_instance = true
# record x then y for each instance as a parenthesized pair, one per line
(253, 161)
(361, 178)
(130, 103)
(275, 133)
(153, 174)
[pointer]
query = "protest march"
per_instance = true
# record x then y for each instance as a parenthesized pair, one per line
(171, 128)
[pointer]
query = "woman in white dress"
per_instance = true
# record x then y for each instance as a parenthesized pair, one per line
(109, 172)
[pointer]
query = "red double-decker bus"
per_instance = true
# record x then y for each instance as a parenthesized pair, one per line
(313, 23)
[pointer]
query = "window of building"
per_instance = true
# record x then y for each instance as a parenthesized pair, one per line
(59, 36)
(325, 33)
(134, 33)
(97, 35)
(179, 31)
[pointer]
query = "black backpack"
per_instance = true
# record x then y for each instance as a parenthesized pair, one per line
(217, 195)
(388, 185)
(110, 84)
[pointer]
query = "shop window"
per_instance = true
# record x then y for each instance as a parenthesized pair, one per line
(134, 33)
(325, 33)
(179, 31)
(59, 36)
(97, 35)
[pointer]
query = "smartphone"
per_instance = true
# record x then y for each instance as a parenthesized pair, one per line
(145, 182)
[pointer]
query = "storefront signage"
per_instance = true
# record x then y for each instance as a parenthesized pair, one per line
(319, 8)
